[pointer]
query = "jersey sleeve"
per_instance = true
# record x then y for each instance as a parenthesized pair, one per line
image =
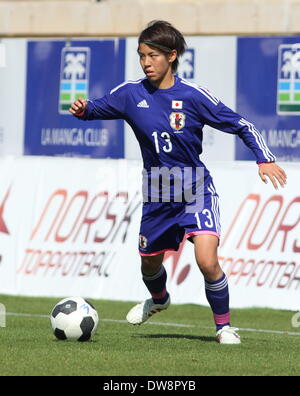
(110, 107)
(217, 115)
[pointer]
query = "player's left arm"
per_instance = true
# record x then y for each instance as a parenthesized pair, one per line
(223, 118)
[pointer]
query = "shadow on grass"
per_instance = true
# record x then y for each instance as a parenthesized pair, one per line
(187, 337)
(72, 342)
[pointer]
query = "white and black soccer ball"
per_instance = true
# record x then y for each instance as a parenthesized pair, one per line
(74, 319)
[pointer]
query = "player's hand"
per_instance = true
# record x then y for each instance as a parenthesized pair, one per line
(274, 173)
(78, 106)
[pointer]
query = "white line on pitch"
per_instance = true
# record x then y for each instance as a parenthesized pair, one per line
(291, 333)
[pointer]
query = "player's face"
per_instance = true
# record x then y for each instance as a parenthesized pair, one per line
(157, 65)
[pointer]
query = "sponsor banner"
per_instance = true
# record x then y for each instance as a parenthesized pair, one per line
(209, 62)
(66, 235)
(12, 94)
(268, 93)
(71, 227)
(58, 73)
(260, 244)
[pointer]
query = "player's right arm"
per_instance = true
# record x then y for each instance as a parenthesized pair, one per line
(110, 107)
(78, 107)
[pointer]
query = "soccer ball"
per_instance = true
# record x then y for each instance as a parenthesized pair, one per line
(74, 319)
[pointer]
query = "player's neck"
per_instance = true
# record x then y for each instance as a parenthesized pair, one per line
(167, 82)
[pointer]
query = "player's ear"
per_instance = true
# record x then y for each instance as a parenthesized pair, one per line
(172, 55)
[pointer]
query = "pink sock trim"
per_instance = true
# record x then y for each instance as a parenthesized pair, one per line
(222, 319)
(162, 294)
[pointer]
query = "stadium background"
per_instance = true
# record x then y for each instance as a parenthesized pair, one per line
(70, 225)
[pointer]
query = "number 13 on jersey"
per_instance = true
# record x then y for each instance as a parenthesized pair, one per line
(209, 220)
(167, 144)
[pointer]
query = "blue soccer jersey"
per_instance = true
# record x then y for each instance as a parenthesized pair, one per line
(168, 122)
(168, 125)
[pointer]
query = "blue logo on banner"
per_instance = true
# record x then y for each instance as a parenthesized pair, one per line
(58, 74)
(288, 96)
(268, 93)
(74, 76)
(187, 65)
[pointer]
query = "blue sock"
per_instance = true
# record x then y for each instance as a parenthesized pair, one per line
(156, 284)
(217, 294)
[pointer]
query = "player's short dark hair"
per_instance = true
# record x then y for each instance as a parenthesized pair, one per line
(163, 36)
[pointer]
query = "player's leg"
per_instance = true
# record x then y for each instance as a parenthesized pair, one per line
(216, 286)
(151, 264)
(157, 235)
(203, 228)
(155, 278)
(206, 253)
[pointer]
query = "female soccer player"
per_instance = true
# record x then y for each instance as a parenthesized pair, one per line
(167, 115)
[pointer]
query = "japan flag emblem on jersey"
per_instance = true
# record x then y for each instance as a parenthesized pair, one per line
(177, 120)
(177, 104)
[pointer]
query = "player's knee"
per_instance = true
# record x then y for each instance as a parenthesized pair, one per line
(209, 269)
(151, 264)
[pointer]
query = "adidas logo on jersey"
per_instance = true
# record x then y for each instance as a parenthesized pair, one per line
(143, 103)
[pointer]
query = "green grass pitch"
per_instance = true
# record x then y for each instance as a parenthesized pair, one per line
(177, 342)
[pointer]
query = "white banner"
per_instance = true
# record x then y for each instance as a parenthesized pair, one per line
(70, 227)
(12, 95)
